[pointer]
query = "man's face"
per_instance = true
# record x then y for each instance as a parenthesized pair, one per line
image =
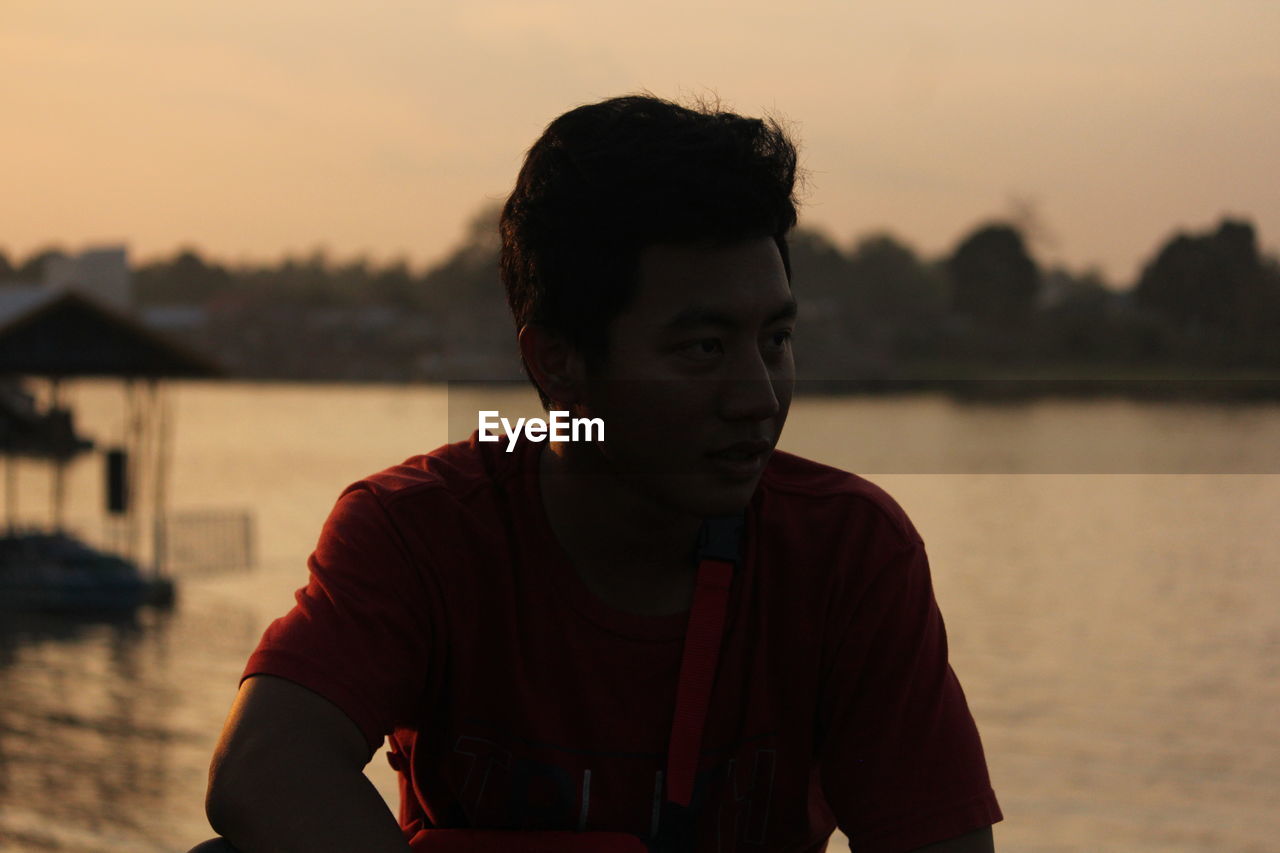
(700, 375)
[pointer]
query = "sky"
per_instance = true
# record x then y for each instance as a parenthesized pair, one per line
(254, 129)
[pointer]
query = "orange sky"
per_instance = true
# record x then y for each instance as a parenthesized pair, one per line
(250, 129)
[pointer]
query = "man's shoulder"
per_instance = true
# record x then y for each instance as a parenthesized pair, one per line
(458, 472)
(805, 489)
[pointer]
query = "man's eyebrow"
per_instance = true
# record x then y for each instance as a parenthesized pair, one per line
(697, 316)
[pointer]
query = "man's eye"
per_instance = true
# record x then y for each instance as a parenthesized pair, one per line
(781, 338)
(703, 347)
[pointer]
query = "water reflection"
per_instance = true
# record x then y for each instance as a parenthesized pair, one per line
(1117, 634)
(99, 749)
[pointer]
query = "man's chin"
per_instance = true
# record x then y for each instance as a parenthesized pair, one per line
(709, 500)
(702, 495)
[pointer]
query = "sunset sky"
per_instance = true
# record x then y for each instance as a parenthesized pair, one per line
(251, 129)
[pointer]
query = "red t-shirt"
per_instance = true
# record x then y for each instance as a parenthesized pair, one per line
(442, 611)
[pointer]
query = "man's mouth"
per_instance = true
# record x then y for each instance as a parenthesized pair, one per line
(742, 450)
(743, 459)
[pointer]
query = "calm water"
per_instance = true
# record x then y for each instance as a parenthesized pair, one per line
(1109, 571)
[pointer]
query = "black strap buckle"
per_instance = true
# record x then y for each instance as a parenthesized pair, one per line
(720, 538)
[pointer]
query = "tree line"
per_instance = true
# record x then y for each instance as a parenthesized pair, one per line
(1205, 303)
(1208, 301)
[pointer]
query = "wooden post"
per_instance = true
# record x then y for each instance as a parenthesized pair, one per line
(161, 434)
(11, 492)
(59, 463)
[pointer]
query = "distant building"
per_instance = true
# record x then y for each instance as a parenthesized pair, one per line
(101, 273)
(175, 319)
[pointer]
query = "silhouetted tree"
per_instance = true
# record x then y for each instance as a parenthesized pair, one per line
(464, 293)
(1203, 284)
(185, 279)
(355, 280)
(892, 284)
(307, 278)
(32, 269)
(832, 340)
(1079, 322)
(994, 279)
(468, 276)
(819, 271)
(394, 284)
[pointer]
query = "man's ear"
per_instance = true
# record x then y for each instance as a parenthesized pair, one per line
(556, 365)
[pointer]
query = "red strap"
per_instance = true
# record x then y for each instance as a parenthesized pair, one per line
(697, 671)
(506, 840)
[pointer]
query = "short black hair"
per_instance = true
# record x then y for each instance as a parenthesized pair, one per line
(606, 180)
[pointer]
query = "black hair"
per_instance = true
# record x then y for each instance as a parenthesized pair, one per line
(606, 180)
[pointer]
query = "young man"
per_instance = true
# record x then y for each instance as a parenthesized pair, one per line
(515, 621)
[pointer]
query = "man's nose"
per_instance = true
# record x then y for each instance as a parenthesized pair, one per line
(748, 392)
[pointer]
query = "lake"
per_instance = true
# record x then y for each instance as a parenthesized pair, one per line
(1109, 571)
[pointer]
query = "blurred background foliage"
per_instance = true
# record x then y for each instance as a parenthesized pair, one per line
(1205, 305)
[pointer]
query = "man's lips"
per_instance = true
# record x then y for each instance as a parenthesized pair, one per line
(743, 450)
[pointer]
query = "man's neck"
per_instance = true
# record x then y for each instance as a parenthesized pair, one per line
(631, 551)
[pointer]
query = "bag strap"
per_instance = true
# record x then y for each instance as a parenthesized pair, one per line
(719, 550)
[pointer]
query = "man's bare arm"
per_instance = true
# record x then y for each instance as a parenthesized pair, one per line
(978, 841)
(288, 775)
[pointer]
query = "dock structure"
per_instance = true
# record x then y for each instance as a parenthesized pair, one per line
(53, 335)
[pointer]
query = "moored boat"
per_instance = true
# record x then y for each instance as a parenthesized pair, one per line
(55, 572)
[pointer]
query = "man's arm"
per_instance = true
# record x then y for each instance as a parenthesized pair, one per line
(978, 841)
(903, 764)
(288, 775)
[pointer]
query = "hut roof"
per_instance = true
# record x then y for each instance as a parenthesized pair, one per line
(62, 333)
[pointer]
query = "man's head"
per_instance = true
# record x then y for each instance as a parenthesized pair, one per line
(607, 180)
(645, 260)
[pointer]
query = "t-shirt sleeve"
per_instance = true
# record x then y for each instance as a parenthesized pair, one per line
(361, 632)
(902, 765)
